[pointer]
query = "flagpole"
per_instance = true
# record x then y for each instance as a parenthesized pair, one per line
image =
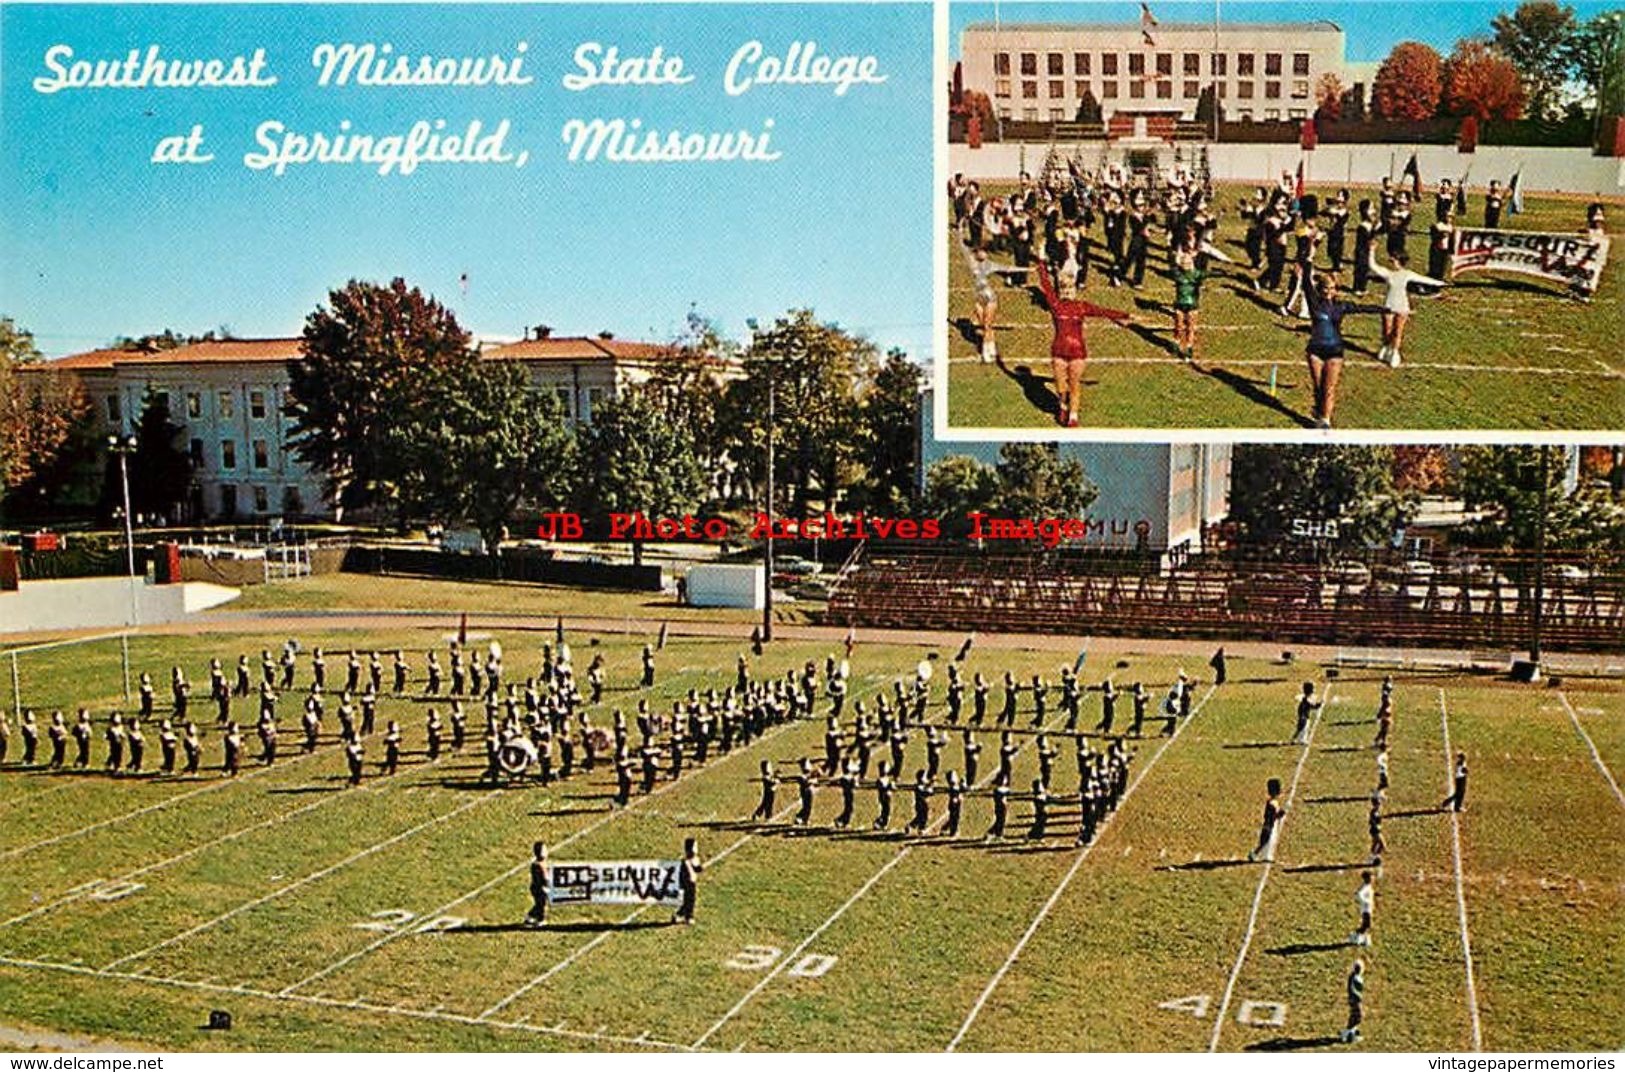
(1213, 71)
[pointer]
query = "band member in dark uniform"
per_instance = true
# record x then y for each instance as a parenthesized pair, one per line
(30, 731)
(648, 667)
(115, 743)
(623, 781)
(81, 740)
(922, 804)
(935, 742)
(192, 747)
(1273, 811)
(392, 748)
(233, 742)
(1007, 755)
(1494, 198)
(267, 731)
(1001, 808)
(1457, 800)
(1219, 666)
(1141, 699)
(536, 918)
(243, 681)
(59, 740)
(1337, 220)
(1108, 706)
(847, 782)
(805, 786)
(354, 753)
(979, 700)
(1007, 713)
(688, 881)
(1365, 233)
(318, 668)
(1071, 698)
(1041, 801)
(398, 661)
(146, 695)
(167, 742)
(884, 786)
(973, 750)
(769, 778)
(432, 729)
(956, 804)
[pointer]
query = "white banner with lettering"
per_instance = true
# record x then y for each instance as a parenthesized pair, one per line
(1567, 258)
(615, 882)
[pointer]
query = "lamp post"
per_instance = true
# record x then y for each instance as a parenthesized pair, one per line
(124, 446)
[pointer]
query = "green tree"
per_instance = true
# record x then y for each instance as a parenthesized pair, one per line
(1273, 486)
(160, 469)
(1539, 39)
(1597, 58)
(1031, 480)
(1505, 482)
(890, 416)
(689, 386)
(634, 461)
(1036, 481)
(483, 447)
(375, 357)
(819, 373)
(957, 485)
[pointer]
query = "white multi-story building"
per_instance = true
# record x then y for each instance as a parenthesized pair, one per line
(1040, 72)
(231, 399)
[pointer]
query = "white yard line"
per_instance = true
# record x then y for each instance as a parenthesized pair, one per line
(210, 787)
(1066, 880)
(1261, 362)
(1461, 888)
(27, 799)
(902, 854)
(1263, 879)
(604, 936)
(83, 890)
(305, 881)
(1595, 755)
(517, 868)
(331, 1003)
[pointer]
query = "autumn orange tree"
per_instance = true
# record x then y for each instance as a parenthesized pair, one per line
(39, 409)
(1408, 83)
(1479, 82)
(1329, 92)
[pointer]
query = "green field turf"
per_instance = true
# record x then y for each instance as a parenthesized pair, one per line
(386, 917)
(1495, 352)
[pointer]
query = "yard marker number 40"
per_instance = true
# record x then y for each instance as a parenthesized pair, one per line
(763, 957)
(1250, 1012)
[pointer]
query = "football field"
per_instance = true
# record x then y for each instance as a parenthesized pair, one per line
(388, 916)
(1494, 351)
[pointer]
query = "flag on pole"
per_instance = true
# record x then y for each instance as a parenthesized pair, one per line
(462, 629)
(1147, 20)
(1077, 667)
(1413, 173)
(1297, 189)
(1150, 41)
(1514, 195)
(1461, 196)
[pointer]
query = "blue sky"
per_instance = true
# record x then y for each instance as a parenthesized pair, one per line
(99, 242)
(1371, 27)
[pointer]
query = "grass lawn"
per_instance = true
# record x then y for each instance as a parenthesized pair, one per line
(1494, 352)
(364, 592)
(386, 917)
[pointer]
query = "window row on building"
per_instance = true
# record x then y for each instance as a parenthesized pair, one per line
(1083, 64)
(1106, 89)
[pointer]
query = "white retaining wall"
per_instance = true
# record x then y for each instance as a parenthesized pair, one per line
(102, 602)
(1573, 171)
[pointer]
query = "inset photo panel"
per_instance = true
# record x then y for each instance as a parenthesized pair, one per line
(1288, 220)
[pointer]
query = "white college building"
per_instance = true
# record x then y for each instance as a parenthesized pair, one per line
(1039, 72)
(230, 397)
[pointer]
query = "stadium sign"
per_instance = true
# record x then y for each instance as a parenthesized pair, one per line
(653, 882)
(1566, 258)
